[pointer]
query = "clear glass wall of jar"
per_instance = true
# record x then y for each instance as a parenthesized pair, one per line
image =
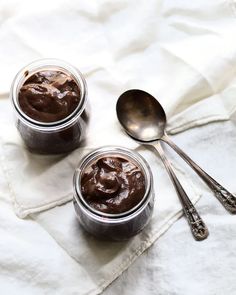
(53, 137)
(116, 227)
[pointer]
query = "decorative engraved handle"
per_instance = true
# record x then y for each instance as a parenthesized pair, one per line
(197, 226)
(227, 199)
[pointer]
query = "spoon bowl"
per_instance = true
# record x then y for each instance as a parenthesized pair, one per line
(141, 115)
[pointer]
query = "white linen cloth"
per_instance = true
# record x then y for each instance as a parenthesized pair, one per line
(183, 53)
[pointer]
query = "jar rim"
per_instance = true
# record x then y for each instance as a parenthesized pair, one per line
(125, 153)
(40, 65)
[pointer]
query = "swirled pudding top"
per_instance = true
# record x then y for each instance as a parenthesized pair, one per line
(113, 184)
(49, 96)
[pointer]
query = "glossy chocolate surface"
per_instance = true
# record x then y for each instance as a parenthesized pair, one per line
(49, 96)
(113, 185)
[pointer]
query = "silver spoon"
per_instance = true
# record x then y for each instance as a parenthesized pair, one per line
(137, 115)
(143, 117)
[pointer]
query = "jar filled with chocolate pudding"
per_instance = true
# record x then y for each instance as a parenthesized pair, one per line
(113, 193)
(50, 101)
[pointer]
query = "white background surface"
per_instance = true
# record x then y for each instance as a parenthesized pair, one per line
(184, 53)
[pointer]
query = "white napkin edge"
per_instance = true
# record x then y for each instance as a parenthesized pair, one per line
(19, 210)
(185, 122)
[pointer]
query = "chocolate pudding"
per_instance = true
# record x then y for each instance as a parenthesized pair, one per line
(51, 109)
(113, 193)
(49, 96)
(113, 185)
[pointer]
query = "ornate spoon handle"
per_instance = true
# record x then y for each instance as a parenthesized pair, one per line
(227, 199)
(197, 226)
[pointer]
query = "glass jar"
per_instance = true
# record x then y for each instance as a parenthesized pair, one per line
(53, 137)
(116, 227)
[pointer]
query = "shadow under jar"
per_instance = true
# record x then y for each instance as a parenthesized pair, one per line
(113, 193)
(50, 101)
